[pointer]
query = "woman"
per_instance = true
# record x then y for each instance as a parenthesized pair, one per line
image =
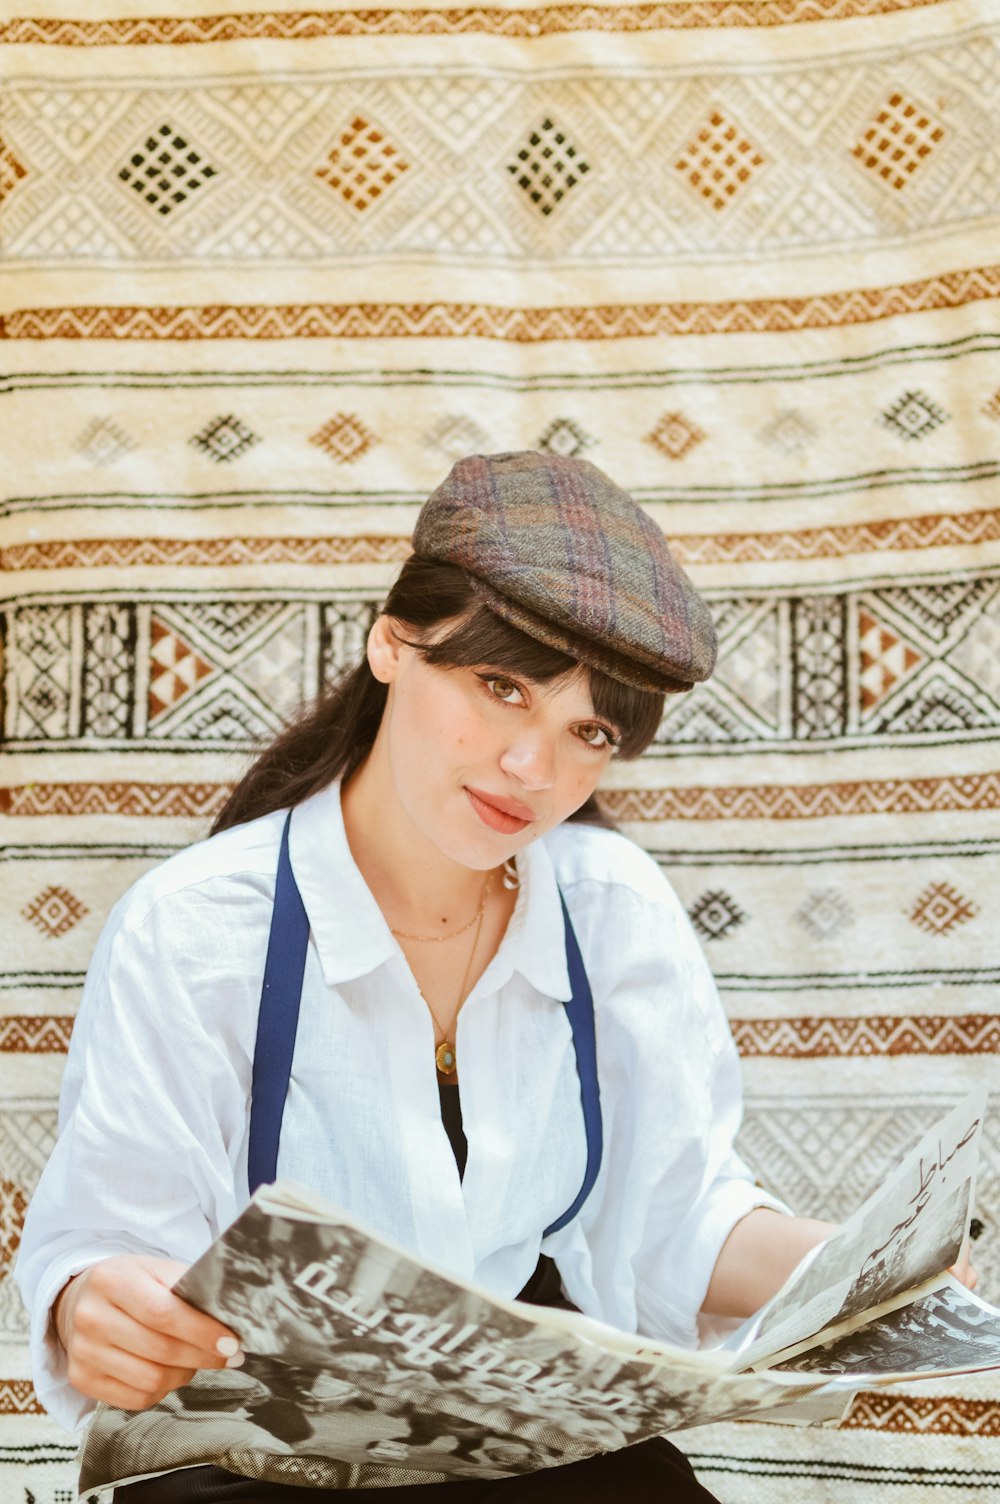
(449, 852)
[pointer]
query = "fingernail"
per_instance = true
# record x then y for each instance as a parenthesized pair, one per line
(236, 1361)
(227, 1346)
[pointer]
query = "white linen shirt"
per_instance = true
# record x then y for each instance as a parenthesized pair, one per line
(154, 1114)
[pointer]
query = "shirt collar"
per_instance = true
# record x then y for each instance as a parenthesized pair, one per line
(349, 929)
(535, 943)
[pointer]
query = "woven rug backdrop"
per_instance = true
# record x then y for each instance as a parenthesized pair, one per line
(265, 275)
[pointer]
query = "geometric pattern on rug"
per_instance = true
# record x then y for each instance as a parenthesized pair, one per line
(254, 301)
(896, 664)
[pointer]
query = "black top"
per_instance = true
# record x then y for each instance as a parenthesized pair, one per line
(451, 1116)
(544, 1288)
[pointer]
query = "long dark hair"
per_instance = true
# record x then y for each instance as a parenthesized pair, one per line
(332, 737)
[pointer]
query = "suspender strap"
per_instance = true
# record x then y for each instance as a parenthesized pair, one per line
(580, 1009)
(277, 1020)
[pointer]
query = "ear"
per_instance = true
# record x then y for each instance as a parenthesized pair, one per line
(384, 650)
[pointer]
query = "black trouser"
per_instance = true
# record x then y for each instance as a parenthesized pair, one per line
(649, 1471)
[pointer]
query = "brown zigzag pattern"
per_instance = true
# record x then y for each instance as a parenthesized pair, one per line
(887, 796)
(897, 533)
(17, 1397)
(934, 530)
(108, 553)
(35, 1034)
(781, 1038)
(949, 1416)
(172, 800)
(817, 1038)
(811, 801)
(492, 21)
(863, 305)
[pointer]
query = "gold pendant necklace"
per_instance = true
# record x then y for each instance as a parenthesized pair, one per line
(445, 1056)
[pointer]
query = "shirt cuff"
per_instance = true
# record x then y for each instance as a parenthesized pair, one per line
(678, 1319)
(67, 1407)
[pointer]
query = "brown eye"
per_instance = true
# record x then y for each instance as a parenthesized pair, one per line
(503, 689)
(595, 735)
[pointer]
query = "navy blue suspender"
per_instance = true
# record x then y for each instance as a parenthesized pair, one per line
(278, 1020)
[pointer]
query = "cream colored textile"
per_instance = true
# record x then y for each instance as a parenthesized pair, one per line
(264, 275)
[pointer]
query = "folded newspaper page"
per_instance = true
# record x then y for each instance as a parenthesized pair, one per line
(366, 1368)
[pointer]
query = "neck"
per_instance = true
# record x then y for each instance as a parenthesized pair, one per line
(415, 885)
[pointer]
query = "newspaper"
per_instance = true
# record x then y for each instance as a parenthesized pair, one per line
(365, 1367)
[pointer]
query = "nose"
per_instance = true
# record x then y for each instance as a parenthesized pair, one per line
(531, 759)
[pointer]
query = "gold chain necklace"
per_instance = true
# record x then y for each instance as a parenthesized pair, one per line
(445, 1056)
(405, 935)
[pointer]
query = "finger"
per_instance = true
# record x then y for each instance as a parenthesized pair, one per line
(113, 1327)
(155, 1306)
(122, 1379)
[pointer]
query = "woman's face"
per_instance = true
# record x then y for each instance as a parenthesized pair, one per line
(482, 761)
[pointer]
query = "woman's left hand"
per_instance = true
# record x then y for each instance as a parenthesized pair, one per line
(963, 1270)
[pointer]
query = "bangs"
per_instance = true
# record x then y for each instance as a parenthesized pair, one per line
(484, 640)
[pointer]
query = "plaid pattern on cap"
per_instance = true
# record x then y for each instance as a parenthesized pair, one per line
(557, 549)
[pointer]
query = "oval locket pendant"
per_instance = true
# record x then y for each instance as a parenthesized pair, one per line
(445, 1057)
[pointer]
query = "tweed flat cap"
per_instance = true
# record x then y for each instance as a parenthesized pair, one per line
(557, 549)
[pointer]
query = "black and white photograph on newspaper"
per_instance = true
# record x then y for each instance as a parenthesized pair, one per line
(359, 1355)
(922, 1337)
(911, 1229)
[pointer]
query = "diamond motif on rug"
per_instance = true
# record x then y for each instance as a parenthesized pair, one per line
(825, 913)
(565, 437)
(790, 431)
(548, 166)
(719, 162)
(899, 140)
(715, 915)
(675, 436)
(939, 909)
(363, 165)
(174, 668)
(54, 912)
(166, 170)
(344, 438)
(455, 435)
(914, 415)
(992, 407)
(103, 442)
(12, 171)
(225, 439)
(885, 659)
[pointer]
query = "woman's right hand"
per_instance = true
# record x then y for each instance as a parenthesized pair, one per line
(129, 1339)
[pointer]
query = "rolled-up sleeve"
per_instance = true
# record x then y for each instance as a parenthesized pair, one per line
(672, 1185)
(152, 1115)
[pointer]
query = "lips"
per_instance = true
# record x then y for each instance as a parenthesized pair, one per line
(505, 815)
